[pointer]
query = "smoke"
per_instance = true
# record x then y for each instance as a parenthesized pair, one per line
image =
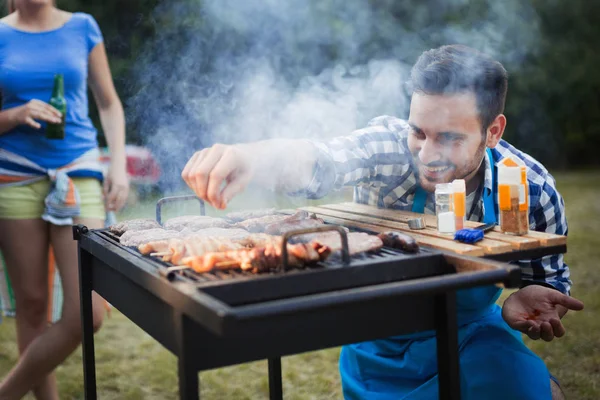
(243, 70)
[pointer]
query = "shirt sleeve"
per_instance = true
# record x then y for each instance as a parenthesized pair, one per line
(359, 158)
(94, 34)
(548, 216)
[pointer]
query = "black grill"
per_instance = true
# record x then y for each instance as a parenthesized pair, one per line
(216, 319)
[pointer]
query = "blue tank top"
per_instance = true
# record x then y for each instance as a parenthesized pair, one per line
(28, 63)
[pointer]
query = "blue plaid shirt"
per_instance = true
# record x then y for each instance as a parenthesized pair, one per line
(377, 162)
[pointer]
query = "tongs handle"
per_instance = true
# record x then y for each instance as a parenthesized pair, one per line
(174, 199)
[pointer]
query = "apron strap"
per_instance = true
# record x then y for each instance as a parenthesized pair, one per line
(419, 200)
(489, 205)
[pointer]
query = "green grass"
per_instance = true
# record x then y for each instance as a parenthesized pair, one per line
(131, 365)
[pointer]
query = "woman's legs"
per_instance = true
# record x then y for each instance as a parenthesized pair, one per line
(24, 245)
(56, 343)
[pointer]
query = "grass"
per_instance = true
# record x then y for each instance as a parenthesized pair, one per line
(131, 365)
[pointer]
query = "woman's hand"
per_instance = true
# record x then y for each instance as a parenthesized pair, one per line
(536, 311)
(27, 114)
(116, 188)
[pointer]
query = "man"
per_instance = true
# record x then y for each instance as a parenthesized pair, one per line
(454, 131)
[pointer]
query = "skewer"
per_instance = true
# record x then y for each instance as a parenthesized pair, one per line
(178, 268)
(160, 254)
(223, 264)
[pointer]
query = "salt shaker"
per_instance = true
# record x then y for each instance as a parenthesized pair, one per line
(443, 208)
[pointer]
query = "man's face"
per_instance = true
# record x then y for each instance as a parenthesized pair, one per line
(446, 138)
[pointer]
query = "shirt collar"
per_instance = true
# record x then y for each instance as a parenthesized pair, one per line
(487, 180)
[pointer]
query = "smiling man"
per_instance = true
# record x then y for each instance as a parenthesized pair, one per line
(454, 131)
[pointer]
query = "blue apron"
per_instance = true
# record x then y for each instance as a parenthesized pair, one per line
(494, 361)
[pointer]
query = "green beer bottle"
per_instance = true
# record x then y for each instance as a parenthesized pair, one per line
(57, 131)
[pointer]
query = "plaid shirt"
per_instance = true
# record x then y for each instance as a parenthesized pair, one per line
(377, 162)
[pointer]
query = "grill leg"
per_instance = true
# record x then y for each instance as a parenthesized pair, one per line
(275, 384)
(447, 346)
(87, 324)
(188, 380)
(188, 374)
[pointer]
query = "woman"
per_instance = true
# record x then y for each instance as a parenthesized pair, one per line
(48, 184)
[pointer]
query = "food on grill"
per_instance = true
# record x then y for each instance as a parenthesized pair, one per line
(283, 227)
(259, 224)
(260, 259)
(239, 216)
(358, 242)
(208, 240)
(199, 246)
(133, 225)
(232, 233)
(136, 238)
(195, 223)
(398, 240)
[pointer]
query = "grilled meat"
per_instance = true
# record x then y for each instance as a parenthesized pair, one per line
(260, 259)
(286, 226)
(239, 216)
(175, 249)
(398, 240)
(259, 224)
(358, 242)
(133, 225)
(232, 233)
(195, 223)
(136, 238)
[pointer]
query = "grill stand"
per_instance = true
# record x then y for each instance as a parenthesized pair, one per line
(447, 345)
(175, 317)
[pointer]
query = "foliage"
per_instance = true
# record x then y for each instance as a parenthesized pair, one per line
(548, 46)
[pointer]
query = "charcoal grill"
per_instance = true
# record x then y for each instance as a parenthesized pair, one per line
(213, 320)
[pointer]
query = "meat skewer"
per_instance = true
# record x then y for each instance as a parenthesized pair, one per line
(258, 259)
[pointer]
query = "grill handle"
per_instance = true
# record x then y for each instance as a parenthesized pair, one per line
(175, 199)
(324, 228)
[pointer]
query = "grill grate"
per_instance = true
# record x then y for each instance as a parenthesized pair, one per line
(333, 262)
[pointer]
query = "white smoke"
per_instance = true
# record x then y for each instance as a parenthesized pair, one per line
(242, 70)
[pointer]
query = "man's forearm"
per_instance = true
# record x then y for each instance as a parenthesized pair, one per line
(287, 164)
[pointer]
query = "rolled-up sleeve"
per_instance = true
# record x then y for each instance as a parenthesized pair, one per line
(359, 158)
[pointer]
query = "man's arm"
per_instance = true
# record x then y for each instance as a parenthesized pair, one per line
(537, 308)
(311, 168)
(548, 216)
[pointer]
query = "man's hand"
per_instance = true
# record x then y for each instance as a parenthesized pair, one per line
(536, 311)
(218, 173)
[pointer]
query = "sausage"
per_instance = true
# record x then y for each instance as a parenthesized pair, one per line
(398, 240)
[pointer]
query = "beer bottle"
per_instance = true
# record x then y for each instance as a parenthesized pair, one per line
(57, 131)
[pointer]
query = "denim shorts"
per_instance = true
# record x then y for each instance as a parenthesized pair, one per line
(27, 201)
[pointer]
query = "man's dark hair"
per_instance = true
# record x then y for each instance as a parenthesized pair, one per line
(457, 69)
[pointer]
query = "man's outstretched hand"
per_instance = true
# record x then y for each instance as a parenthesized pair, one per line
(537, 311)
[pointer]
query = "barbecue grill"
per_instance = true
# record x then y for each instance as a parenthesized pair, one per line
(216, 319)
